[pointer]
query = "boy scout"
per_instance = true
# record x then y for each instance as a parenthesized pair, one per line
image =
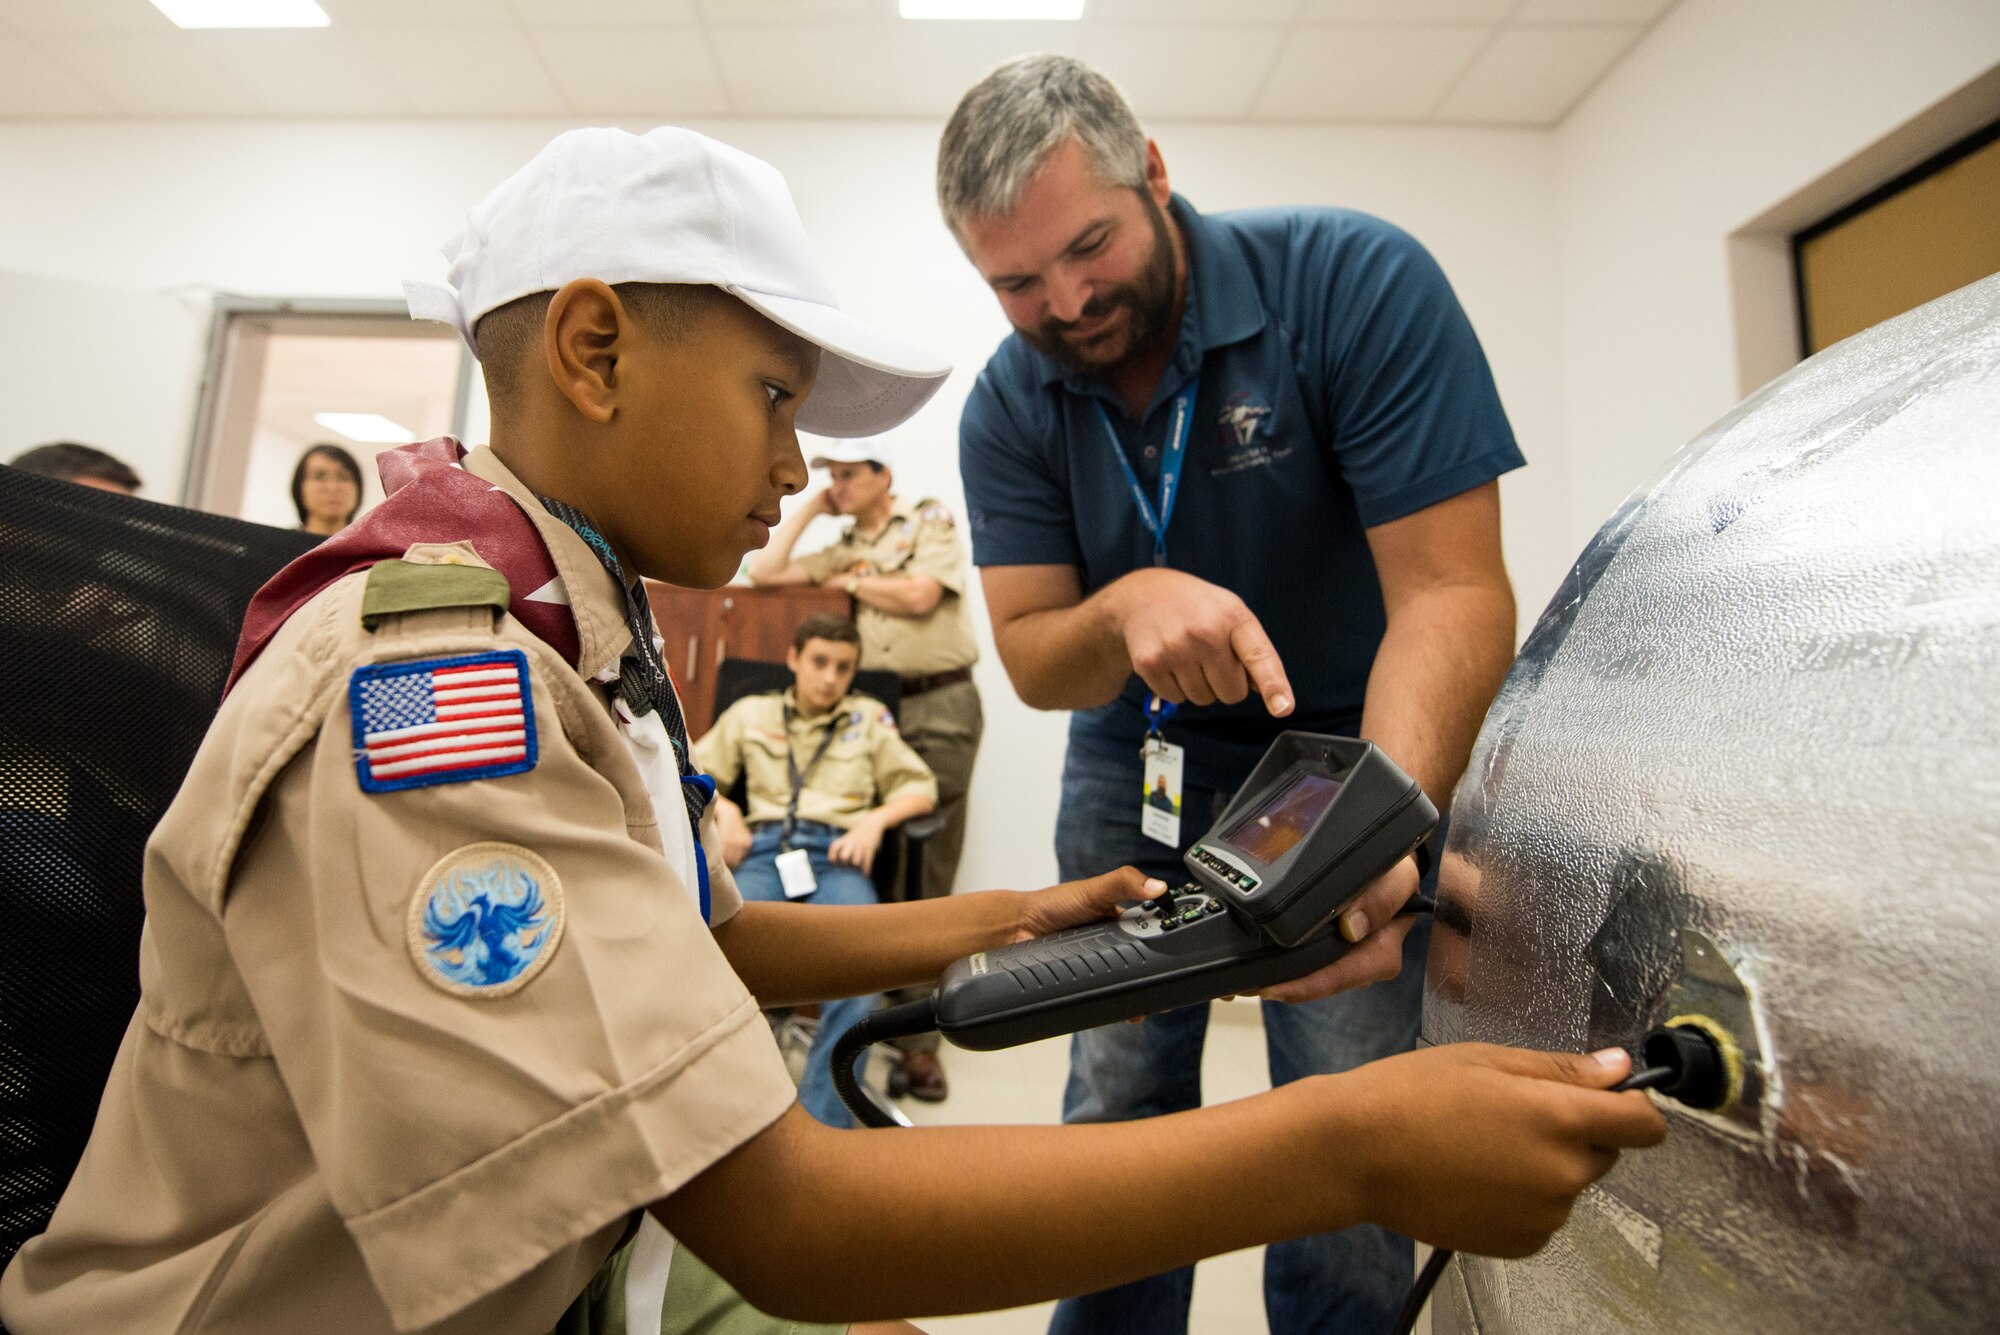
(431, 1025)
(903, 563)
(826, 775)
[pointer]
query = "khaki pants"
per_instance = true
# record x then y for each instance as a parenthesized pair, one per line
(943, 726)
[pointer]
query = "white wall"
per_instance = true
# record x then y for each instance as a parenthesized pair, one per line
(1725, 114)
(1596, 260)
(350, 209)
(106, 366)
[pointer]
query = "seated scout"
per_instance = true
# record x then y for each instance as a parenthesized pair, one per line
(826, 776)
(449, 1017)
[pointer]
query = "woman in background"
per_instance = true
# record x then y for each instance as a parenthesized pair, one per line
(326, 489)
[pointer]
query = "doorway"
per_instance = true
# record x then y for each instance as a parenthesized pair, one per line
(285, 376)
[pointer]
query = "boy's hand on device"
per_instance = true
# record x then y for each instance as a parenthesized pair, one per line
(1074, 903)
(1484, 1149)
(1372, 922)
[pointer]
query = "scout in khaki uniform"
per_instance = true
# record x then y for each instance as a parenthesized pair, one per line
(825, 775)
(903, 563)
(438, 1030)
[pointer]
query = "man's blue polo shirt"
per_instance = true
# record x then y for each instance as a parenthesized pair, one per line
(1340, 387)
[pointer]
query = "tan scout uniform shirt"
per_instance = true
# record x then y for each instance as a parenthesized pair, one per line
(866, 765)
(303, 1131)
(916, 539)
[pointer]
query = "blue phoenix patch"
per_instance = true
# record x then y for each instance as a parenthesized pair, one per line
(486, 919)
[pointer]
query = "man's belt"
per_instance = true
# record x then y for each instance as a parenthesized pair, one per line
(918, 685)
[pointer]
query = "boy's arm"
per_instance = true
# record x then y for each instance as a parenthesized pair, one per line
(791, 954)
(927, 1221)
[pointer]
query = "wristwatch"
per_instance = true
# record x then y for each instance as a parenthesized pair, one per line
(852, 585)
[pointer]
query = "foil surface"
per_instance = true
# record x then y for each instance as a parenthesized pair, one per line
(1765, 706)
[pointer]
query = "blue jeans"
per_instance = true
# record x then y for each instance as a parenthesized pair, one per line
(757, 878)
(1347, 1283)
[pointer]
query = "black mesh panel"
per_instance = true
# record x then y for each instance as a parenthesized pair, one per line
(118, 618)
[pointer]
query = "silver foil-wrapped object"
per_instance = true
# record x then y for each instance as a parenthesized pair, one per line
(1762, 719)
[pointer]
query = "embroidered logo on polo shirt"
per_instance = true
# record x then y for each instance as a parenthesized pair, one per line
(442, 720)
(1243, 429)
(485, 920)
(1240, 419)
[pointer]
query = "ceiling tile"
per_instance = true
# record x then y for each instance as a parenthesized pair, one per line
(1366, 74)
(423, 14)
(34, 87)
(1533, 76)
(38, 16)
(465, 71)
(152, 74)
(306, 72)
(646, 72)
(809, 70)
(604, 13)
(937, 62)
(1168, 72)
(1185, 73)
(1591, 11)
(1407, 11)
(720, 12)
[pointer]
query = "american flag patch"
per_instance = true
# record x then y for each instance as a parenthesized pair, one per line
(442, 720)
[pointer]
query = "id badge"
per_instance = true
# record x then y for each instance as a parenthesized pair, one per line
(795, 873)
(1160, 810)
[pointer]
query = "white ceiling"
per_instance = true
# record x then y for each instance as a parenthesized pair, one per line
(1479, 62)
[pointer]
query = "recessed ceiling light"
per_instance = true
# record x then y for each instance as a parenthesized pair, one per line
(366, 428)
(992, 9)
(243, 13)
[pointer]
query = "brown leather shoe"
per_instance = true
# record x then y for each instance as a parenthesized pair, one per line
(924, 1074)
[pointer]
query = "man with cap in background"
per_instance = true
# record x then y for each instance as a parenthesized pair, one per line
(904, 565)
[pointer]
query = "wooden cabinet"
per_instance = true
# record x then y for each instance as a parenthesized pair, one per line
(701, 627)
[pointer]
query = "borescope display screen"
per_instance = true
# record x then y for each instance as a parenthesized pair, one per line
(1285, 817)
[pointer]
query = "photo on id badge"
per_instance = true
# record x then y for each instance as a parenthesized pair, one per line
(1160, 812)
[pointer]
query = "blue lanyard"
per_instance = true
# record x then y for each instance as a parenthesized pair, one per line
(704, 785)
(1170, 467)
(644, 685)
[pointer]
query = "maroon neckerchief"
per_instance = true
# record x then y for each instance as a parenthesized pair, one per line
(430, 498)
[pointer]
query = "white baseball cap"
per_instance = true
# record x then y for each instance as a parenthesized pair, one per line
(856, 450)
(673, 206)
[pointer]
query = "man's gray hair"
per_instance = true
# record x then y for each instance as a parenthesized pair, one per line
(1011, 120)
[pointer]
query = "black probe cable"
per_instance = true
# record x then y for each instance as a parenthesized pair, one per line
(912, 1017)
(1420, 1292)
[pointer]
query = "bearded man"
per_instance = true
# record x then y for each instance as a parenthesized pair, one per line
(1222, 456)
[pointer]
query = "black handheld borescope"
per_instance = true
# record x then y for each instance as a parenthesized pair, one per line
(1318, 819)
